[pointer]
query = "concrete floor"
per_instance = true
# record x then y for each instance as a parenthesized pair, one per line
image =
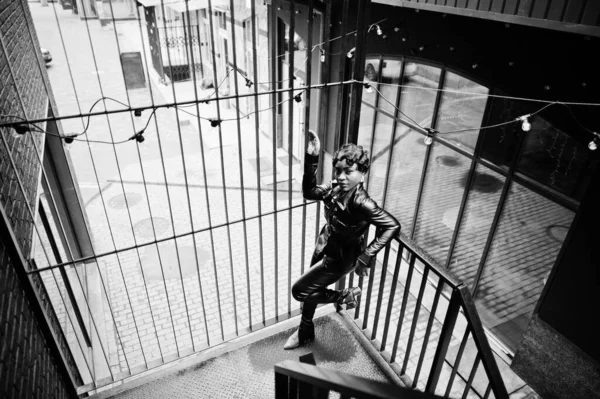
(248, 371)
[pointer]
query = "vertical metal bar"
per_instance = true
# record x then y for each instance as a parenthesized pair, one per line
(436, 300)
(199, 45)
(186, 181)
(482, 344)
(281, 386)
(291, 73)
(391, 298)
(243, 190)
(374, 124)
(411, 268)
(384, 266)
(309, 47)
(212, 38)
(446, 335)
(186, 185)
(488, 390)
(274, 36)
(393, 138)
(415, 320)
(68, 287)
(503, 195)
(207, 206)
(361, 278)
(369, 292)
(257, 138)
(339, 123)
(457, 360)
(324, 98)
(427, 153)
(468, 185)
(363, 15)
(471, 375)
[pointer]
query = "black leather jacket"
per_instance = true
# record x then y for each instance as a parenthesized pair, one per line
(348, 217)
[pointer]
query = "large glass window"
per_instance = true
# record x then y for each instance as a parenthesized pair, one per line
(419, 90)
(442, 193)
(553, 158)
(462, 105)
(484, 195)
(408, 154)
(430, 195)
(379, 156)
(529, 235)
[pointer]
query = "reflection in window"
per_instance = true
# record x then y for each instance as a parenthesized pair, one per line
(529, 235)
(442, 193)
(389, 81)
(553, 158)
(380, 156)
(462, 106)
(499, 143)
(371, 77)
(405, 176)
(478, 215)
(417, 99)
(365, 127)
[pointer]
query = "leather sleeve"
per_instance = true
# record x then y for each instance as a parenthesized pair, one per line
(310, 189)
(387, 227)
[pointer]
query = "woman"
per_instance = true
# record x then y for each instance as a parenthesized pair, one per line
(349, 211)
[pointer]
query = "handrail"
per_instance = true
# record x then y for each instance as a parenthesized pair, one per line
(289, 372)
(424, 257)
(459, 303)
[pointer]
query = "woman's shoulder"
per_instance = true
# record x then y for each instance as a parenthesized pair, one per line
(361, 199)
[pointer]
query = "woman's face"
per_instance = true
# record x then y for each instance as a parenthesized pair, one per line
(347, 176)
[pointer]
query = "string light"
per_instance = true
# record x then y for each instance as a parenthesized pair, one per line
(322, 55)
(593, 145)
(298, 97)
(525, 125)
(429, 138)
(215, 122)
(137, 112)
(350, 53)
(368, 87)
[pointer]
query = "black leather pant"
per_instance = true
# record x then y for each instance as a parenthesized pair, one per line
(311, 287)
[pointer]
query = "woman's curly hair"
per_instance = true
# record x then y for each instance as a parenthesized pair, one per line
(353, 154)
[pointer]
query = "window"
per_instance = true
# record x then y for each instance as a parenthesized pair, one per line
(462, 106)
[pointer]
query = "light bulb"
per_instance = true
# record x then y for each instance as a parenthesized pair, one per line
(350, 53)
(592, 145)
(368, 88)
(428, 140)
(379, 31)
(526, 126)
(298, 97)
(322, 55)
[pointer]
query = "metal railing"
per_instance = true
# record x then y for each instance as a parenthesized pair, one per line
(295, 380)
(425, 325)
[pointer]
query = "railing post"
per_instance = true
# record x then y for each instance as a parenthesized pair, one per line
(281, 386)
(444, 342)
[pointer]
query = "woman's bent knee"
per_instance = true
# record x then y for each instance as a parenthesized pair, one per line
(298, 292)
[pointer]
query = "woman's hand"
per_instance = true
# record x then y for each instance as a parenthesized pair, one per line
(314, 145)
(361, 270)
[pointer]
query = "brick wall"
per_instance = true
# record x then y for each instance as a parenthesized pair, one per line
(30, 364)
